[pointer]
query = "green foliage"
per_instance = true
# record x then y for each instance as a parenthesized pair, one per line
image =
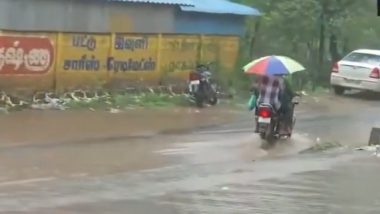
(293, 28)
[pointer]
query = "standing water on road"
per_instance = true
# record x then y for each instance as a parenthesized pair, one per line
(335, 182)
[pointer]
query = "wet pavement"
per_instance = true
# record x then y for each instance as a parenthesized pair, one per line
(218, 169)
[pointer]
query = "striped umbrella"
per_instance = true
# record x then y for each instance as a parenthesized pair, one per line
(273, 65)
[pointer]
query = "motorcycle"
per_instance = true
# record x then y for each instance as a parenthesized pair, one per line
(201, 87)
(269, 122)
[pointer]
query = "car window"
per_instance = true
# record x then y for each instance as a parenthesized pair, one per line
(364, 58)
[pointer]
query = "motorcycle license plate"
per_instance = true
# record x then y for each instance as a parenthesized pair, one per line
(264, 120)
(194, 82)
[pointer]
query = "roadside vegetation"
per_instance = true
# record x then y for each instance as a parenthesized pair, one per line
(98, 100)
(128, 101)
(316, 33)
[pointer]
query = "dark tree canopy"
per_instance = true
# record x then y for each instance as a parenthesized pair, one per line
(315, 32)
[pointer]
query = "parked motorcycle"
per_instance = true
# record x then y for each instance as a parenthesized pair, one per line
(269, 121)
(201, 87)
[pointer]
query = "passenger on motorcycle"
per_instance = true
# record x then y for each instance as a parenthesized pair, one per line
(276, 91)
(287, 106)
(255, 88)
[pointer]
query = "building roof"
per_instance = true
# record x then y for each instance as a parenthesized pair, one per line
(205, 6)
(172, 2)
(220, 7)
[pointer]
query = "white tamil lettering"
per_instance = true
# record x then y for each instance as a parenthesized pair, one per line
(19, 58)
(14, 55)
(36, 60)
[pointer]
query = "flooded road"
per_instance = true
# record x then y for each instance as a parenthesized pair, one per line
(218, 169)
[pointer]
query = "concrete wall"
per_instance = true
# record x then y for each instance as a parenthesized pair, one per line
(82, 16)
(67, 44)
(188, 22)
(65, 61)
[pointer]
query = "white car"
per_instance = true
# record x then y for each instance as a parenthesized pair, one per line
(360, 69)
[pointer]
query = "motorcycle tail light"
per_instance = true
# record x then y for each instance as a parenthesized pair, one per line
(265, 112)
(193, 76)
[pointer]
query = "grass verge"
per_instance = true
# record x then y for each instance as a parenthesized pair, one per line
(131, 101)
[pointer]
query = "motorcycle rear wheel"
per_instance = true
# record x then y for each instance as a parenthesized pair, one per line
(268, 137)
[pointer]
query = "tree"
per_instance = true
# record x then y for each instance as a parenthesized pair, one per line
(314, 32)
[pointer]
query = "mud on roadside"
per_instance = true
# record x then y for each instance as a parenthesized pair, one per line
(41, 127)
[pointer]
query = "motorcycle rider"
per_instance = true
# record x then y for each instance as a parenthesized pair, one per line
(255, 87)
(269, 88)
(276, 91)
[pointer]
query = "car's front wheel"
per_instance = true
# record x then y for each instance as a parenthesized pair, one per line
(339, 90)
